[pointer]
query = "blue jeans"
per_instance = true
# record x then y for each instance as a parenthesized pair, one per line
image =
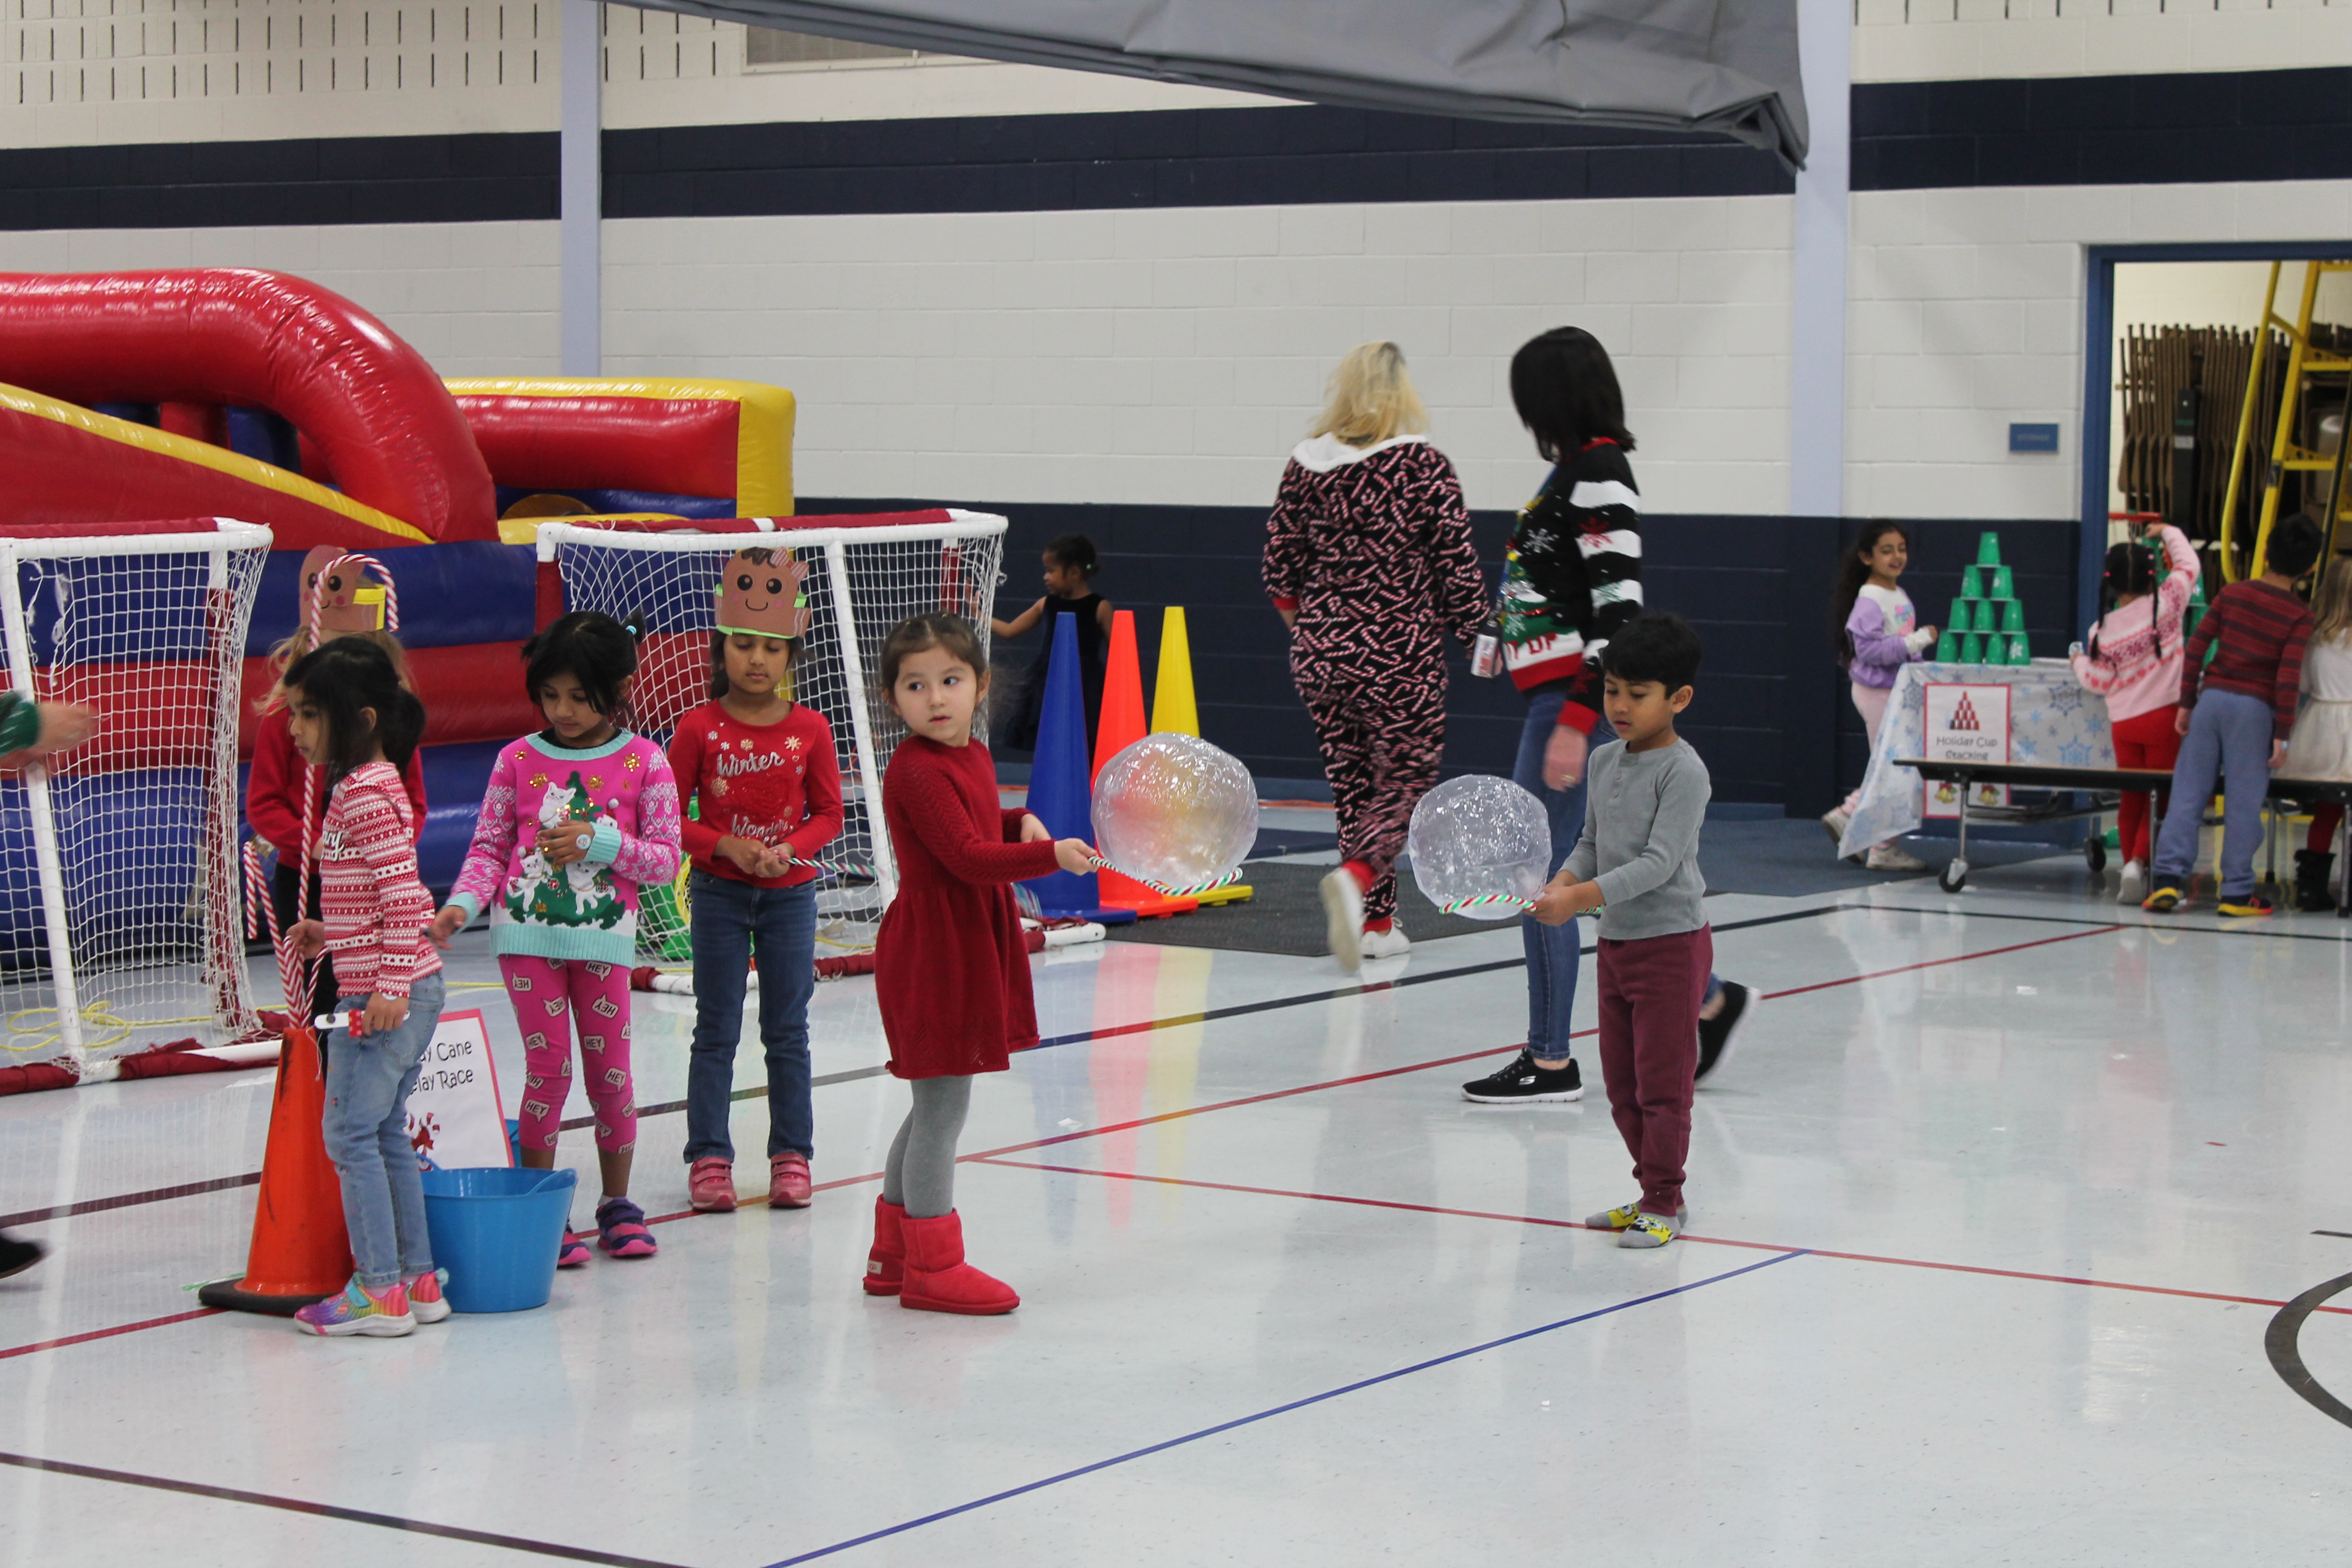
(2229, 738)
(731, 922)
(367, 1126)
(1553, 952)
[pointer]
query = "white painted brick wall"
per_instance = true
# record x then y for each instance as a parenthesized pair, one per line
(1177, 355)
(1963, 40)
(1967, 314)
(475, 298)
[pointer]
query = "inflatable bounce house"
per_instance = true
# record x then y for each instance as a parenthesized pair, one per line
(221, 393)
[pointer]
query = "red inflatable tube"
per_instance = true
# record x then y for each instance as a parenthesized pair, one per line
(393, 434)
(676, 446)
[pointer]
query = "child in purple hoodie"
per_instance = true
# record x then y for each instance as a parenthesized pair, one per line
(1881, 635)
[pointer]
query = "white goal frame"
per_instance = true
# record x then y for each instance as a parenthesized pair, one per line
(871, 734)
(71, 978)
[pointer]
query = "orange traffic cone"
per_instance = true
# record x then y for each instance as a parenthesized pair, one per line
(1120, 726)
(301, 1252)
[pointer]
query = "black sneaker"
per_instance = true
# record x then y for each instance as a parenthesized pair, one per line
(1524, 1083)
(15, 1255)
(1719, 1035)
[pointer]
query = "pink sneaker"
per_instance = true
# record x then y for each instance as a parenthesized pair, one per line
(426, 1302)
(710, 1185)
(788, 1181)
(356, 1310)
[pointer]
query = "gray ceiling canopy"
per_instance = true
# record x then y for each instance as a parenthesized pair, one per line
(1725, 66)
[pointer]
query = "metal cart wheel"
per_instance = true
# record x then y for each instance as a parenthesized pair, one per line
(1953, 877)
(2095, 851)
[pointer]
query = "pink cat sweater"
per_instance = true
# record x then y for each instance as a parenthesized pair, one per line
(588, 909)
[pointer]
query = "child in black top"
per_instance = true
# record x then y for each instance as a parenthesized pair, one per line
(1070, 566)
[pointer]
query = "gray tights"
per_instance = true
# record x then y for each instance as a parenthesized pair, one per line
(920, 1174)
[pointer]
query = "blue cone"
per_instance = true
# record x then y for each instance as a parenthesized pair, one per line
(1061, 783)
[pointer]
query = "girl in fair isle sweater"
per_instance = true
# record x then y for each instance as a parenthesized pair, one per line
(1880, 636)
(575, 820)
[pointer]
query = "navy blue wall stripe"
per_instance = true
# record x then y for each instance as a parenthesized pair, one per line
(2191, 128)
(1772, 718)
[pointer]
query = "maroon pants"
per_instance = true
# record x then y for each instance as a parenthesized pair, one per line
(1382, 740)
(1651, 990)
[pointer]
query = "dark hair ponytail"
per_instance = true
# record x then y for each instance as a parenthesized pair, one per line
(1853, 572)
(342, 679)
(1565, 392)
(2133, 566)
(595, 650)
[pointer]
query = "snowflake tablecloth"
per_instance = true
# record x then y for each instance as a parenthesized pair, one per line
(2051, 720)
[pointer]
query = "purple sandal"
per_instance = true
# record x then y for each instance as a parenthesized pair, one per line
(571, 1252)
(621, 1229)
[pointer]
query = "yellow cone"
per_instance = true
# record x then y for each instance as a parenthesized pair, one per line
(1173, 709)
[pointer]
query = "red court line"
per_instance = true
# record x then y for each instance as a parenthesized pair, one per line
(1685, 1235)
(992, 1154)
(83, 1339)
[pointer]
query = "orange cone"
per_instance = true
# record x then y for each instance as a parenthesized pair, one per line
(1120, 726)
(301, 1252)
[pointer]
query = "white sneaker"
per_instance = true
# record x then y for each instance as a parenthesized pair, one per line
(2133, 886)
(1893, 858)
(1390, 943)
(1343, 918)
(1836, 821)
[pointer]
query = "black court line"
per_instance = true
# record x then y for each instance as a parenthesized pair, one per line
(1312, 1399)
(1210, 1015)
(2281, 1341)
(330, 1511)
(2346, 1235)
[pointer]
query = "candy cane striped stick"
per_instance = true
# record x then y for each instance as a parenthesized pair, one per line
(1099, 864)
(260, 910)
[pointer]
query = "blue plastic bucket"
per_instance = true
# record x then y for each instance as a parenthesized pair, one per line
(496, 1231)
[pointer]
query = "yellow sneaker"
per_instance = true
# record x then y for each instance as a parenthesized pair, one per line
(1627, 1216)
(2162, 901)
(1650, 1230)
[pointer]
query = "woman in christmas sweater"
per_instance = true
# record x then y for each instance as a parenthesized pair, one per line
(575, 820)
(1369, 564)
(763, 771)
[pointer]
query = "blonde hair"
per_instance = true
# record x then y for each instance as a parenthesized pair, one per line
(1369, 398)
(283, 655)
(2331, 601)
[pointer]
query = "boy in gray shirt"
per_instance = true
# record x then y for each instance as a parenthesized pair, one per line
(1637, 863)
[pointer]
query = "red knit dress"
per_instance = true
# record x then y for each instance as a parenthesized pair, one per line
(951, 967)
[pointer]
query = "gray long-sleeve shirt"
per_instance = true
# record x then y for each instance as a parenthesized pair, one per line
(1642, 816)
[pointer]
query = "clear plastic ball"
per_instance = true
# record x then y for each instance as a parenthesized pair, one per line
(1481, 847)
(1175, 812)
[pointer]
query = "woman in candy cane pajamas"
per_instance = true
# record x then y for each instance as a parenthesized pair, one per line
(575, 820)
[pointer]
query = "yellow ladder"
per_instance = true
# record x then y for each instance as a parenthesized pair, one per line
(2284, 454)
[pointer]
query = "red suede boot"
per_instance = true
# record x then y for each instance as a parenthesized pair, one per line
(939, 1280)
(886, 1264)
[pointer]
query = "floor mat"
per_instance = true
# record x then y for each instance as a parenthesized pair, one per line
(1789, 857)
(1285, 916)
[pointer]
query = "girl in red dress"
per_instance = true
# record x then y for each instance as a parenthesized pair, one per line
(951, 966)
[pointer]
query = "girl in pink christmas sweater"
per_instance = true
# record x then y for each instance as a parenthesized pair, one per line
(575, 820)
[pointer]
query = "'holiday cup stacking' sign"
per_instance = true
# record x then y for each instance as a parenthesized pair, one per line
(455, 1116)
(1966, 724)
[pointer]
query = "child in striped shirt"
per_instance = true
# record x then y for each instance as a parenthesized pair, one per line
(351, 715)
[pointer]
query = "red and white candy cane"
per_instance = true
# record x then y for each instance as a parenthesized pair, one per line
(260, 910)
(391, 594)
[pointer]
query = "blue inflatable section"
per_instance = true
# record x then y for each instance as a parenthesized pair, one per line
(628, 501)
(129, 842)
(174, 594)
(451, 595)
(454, 777)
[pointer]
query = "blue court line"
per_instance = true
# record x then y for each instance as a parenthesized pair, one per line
(1026, 1488)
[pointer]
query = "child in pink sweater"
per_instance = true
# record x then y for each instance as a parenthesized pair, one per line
(575, 820)
(2133, 659)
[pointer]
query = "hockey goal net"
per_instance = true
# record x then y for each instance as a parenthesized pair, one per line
(119, 902)
(866, 574)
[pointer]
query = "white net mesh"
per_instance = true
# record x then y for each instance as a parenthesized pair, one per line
(135, 833)
(885, 574)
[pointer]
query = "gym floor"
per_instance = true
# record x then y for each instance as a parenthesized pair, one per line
(1992, 1212)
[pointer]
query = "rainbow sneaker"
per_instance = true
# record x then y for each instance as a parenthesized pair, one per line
(426, 1302)
(356, 1310)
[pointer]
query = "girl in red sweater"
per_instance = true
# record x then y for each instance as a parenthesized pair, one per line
(334, 592)
(769, 782)
(951, 967)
